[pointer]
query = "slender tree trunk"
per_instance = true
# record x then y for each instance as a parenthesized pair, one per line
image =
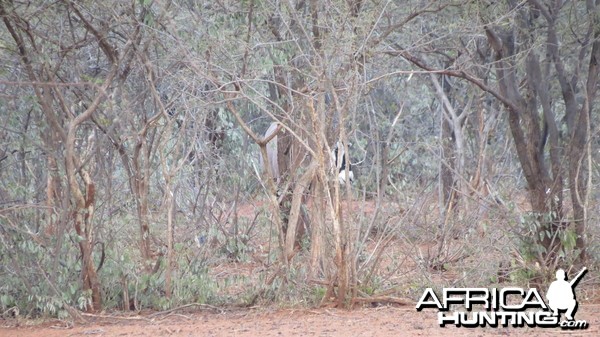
(317, 233)
(84, 229)
(170, 204)
(140, 184)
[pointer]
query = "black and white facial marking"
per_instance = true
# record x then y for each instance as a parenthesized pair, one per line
(339, 153)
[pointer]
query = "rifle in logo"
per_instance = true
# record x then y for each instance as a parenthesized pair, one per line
(561, 293)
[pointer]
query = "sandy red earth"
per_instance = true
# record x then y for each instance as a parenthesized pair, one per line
(381, 321)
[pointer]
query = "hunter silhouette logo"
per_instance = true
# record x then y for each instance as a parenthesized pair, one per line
(561, 294)
(510, 306)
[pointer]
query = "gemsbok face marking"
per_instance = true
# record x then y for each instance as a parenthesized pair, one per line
(338, 160)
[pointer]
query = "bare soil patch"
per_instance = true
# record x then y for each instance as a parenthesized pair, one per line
(381, 321)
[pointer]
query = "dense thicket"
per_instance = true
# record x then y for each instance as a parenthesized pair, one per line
(131, 132)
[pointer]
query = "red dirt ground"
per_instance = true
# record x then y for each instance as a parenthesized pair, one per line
(382, 321)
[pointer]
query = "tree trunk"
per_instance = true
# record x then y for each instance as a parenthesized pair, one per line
(291, 235)
(580, 151)
(525, 129)
(84, 229)
(170, 204)
(317, 232)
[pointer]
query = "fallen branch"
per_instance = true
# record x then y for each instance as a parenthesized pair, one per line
(166, 312)
(129, 318)
(384, 300)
